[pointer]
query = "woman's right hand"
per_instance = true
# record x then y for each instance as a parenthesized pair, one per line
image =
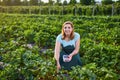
(58, 67)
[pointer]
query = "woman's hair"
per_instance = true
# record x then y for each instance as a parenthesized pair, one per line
(72, 33)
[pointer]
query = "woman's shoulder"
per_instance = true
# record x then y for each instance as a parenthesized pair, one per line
(60, 35)
(76, 34)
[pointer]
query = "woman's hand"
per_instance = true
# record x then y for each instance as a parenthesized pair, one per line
(58, 67)
(70, 57)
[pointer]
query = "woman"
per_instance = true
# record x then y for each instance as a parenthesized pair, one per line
(67, 43)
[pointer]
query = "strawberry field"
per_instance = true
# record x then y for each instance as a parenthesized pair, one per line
(27, 47)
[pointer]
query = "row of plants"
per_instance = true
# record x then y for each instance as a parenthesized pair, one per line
(27, 47)
(63, 10)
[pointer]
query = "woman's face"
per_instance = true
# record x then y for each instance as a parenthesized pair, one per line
(67, 29)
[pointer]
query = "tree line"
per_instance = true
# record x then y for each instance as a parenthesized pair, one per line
(92, 10)
(51, 2)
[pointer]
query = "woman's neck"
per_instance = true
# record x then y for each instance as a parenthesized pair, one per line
(67, 36)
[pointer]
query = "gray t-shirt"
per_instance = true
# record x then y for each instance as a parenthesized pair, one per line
(67, 43)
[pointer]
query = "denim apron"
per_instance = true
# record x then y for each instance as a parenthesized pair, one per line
(75, 59)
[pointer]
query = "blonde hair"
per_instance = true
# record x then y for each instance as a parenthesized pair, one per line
(72, 33)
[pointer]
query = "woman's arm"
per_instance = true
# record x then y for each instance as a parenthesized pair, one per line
(77, 45)
(57, 50)
(57, 54)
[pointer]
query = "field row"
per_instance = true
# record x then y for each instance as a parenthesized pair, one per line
(27, 47)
